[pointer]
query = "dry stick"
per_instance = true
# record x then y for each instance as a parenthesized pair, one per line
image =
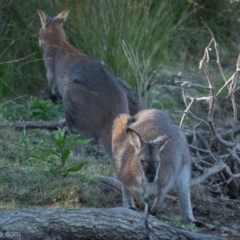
(204, 151)
(220, 165)
(208, 172)
(192, 100)
(231, 92)
(233, 80)
(203, 141)
(231, 89)
(213, 131)
(232, 176)
(197, 166)
(216, 49)
(234, 156)
(35, 125)
(211, 95)
(192, 85)
(226, 84)
(186, 111)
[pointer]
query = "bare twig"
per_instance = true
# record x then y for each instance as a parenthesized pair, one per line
(232, 176)
(209, 172)
(192, 85)
(216, 49)
(35, 125)
(214, 156)
(186, 112)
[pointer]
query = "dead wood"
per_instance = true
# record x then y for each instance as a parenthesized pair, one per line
(89, 223)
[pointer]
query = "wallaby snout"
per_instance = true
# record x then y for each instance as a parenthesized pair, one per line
(151, 177)
(151, 155)
(92, 97)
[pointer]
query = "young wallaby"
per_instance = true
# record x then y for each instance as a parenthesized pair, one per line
(151, 154)
(92, 97)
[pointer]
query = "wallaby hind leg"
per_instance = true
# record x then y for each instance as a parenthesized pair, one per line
(183, 189)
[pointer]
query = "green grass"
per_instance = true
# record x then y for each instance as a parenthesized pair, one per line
(34, 187)
(27, 182)
(168, 33)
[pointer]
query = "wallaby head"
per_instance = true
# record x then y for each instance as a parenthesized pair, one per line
(52, 31)
(151, 155)
(146, 154)
(91, 95)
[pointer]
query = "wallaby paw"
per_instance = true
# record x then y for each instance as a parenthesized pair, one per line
(153, 212)
(132, 208)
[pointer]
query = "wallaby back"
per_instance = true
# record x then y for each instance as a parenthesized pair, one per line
(92, 96)
(151, 155)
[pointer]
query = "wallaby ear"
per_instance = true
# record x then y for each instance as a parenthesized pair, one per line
(61, 17)
(45, 19)
(134, 138)
(161, 141)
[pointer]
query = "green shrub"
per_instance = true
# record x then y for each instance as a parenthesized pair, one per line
(53, 154)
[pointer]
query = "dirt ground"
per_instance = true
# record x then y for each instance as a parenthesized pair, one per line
(220, 215)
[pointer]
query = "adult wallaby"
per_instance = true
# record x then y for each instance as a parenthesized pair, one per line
(92, 97)
(151, 154)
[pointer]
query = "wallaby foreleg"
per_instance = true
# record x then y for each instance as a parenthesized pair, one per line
(139, 200)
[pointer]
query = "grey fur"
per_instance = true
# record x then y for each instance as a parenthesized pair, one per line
(151, 155)
(92, 96)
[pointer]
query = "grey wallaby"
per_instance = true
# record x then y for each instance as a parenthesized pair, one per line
(151, 155)
(92, 97)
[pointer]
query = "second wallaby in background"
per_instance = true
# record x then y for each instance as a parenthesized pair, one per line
(151, 155)
(92, 97)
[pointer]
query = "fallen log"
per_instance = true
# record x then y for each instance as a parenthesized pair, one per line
(89, 223)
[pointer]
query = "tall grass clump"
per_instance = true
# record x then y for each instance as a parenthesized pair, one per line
(98, 28)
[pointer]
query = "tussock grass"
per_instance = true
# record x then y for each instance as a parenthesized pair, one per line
(99, 27)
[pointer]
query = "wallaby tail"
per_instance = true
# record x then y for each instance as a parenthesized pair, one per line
(111, 182)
